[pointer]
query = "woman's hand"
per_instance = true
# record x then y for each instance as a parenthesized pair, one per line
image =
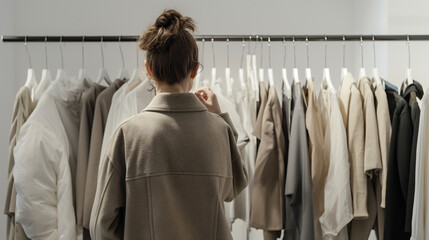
(208, 98)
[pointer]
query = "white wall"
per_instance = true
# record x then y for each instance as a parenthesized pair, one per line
(131, 17)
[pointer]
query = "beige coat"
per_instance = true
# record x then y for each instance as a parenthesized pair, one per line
(351, 109)
(167, 172)
(23, 107)
(319, 161)
(269, 179)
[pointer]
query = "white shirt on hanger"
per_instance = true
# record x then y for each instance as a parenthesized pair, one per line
(420, 219)
(125, 105)
(338, 210)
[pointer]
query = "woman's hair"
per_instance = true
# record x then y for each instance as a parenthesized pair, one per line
(172, 52)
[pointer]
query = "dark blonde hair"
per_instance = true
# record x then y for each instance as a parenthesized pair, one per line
(172, 52)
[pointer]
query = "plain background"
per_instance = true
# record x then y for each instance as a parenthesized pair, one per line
(132, 17)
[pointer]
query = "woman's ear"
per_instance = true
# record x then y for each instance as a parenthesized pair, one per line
(148, 69)
(195, 71)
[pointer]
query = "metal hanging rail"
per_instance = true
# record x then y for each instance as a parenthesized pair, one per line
(221, 38)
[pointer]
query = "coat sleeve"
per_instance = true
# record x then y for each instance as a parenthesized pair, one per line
(43, 184)
(107, 216)
(239, 171)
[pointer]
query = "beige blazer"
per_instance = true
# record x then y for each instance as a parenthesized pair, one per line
(268, 184)
(352, 112)
(167, 172)
(318, 160)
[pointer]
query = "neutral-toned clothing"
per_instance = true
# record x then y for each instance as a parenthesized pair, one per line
(44, 153)
(125, 105)
(338, 208)
(319, 163)
(86, 120)
(420, 216)
(372, 157)
(384, 135)
(411, 94)
(398, 172)
(23, 107)
(263, 97)
(351, 108)
(298, 187)
(268, 184)
(101, 111)
(167, 172)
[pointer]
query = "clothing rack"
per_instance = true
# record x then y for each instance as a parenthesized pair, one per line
(221, 38)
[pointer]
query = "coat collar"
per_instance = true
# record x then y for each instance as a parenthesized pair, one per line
(175, 102)
(413, 87)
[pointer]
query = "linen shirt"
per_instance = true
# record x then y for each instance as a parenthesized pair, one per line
(338, 208)
(167, 172)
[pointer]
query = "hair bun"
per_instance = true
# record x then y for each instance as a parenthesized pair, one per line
(169, 25)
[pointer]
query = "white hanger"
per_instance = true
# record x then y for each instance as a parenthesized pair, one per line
(409, 79)
(213, 80)
(286, 85)
(228, 79)
(46, 79)
(307, 70)
(135, 78)
(254, 78)
(82, 72)
(241, 70)
(362, 72)
(294, 70)
(270, 69)
(326, 75)
(261, 69)
(123, 73)
(344, 70)
(61, 73)
(102, 73)
(375, 75)
(31, 82)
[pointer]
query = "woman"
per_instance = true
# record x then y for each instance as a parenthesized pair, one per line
(169, 169)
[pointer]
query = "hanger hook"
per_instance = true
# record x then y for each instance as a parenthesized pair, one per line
(242, 53)
(344, 52)
(294, 53)
(308, 54)
(261, 51)
(284, 58)
(122, 54)
(326, 51)
(61, 51)
(46, 52)
(250, 41)
(361, 49)
(227, 52)
(409, 51)
(373, 46)
(269, 52)
(83, 52)
(214, 60)
(102, 52)
(137, 55)
(28, 52)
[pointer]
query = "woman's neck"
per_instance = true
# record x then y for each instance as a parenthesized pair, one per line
(162, 87)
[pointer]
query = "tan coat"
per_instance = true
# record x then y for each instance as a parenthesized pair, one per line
(23, 107)
(351, 109)
(268, 184)
(167, 172)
